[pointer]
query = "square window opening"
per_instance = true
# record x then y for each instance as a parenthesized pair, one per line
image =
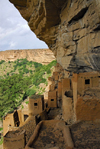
(52, 99)
(87, 81)
(35, 104)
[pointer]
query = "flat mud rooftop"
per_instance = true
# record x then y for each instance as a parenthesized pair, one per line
(50, 135)
(86, 135)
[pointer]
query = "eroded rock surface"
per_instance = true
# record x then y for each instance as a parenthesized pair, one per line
(71, 28)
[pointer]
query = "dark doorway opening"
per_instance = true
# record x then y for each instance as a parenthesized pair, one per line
(25, 117)
(16, 119)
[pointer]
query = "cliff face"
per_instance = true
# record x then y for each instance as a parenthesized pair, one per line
(71, 28)
(43, 56)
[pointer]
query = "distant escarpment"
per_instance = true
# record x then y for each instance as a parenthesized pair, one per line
(71, 28)
(43, 56)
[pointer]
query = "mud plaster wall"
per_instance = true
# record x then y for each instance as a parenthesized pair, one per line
(36, 106)
(67, 102)
(21, 117)
(56, 76)
(52, 86)
(41, 116)
(14, 141)
(7, 120)
(65, 85)
(88, 109)
(52, 98)
(29, 126)
(87, 80)
(59, 90)
(68, 109)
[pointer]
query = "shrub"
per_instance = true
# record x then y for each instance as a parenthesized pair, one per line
(2, 61)
(22, 107)
(1, 141)
(27, 102)
(1, 129)
(37, 65)
(30, 71)
(30, 92)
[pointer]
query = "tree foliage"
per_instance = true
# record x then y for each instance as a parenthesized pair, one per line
(16, 87)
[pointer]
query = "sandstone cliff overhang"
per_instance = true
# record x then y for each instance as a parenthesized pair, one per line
(21, 3)
(71, 28)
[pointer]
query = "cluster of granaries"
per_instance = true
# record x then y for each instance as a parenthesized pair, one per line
(77, 95)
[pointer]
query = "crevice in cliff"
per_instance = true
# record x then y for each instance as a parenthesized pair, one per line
(76, 47)
(96, 50)
(64, 6)
(78, 16)
(59, 3)
(97, 27)
(75, 66)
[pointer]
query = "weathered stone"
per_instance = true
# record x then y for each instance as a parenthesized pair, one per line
(70, 28)
(44, 56)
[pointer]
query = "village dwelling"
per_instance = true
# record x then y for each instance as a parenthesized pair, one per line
(18, 127)
(52, 99)
(77, 91)
(77, 95)
(86, 96)
(36, 104)
(13, 120)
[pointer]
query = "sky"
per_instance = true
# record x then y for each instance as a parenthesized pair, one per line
(14, 30)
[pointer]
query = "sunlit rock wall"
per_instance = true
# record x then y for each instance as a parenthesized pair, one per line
(71, 29)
